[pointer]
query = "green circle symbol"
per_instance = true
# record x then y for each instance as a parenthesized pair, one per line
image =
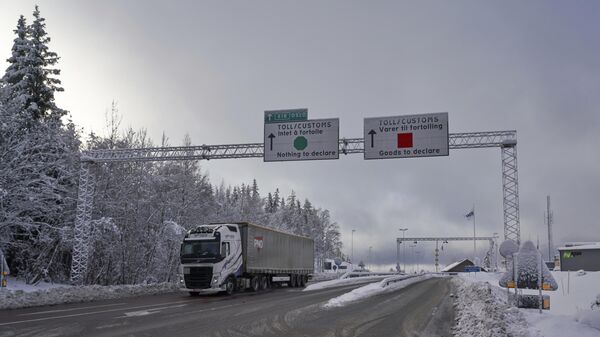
(300, 143)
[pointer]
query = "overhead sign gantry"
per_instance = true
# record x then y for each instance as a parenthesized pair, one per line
(319, 144)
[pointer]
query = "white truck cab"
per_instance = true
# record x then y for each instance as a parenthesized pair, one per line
(209, 255)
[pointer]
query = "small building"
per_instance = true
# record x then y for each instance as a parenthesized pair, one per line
(458, 266)
(580, 256)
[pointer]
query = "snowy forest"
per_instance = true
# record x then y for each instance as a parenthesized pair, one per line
(141, 210)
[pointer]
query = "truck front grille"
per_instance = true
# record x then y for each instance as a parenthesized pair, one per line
(198, 278)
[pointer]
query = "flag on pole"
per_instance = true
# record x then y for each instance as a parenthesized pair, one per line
(470, 214)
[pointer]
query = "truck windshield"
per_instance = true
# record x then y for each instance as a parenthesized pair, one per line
(200, 249)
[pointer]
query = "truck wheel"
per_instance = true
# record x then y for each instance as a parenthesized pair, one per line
(254, 284)
(294, 280)
(230, 286)
(302, 279)
(264, 283)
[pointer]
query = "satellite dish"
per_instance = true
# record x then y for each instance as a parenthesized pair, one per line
(508, 248)
(337, 261)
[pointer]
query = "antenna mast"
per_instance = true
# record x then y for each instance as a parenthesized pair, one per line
(549, 220)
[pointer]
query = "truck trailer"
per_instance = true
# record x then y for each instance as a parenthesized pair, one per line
(229, 257)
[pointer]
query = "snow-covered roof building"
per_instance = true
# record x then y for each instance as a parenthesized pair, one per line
(458, 266)
(580, 255)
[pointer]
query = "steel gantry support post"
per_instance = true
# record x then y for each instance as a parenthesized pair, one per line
(85, 201)
(510, 192)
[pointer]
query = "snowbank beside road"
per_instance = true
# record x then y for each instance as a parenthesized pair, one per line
(342, 282)
(569, 315)
(481, 312)
(13, 299)
(373, 289)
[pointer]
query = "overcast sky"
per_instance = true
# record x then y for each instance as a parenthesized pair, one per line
(210, 69)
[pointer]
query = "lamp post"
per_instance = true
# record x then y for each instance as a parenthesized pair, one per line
(352, 248)
(369, 258)
(403, 230)
(412, 252)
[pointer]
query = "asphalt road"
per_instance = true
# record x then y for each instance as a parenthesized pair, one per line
(421, 309)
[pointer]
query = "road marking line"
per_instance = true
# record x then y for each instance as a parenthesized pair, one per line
(150, 311)
(109, 326)
(89, 313)
(62, 310)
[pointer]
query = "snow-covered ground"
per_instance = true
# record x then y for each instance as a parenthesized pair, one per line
(20, 295)
(319, 277)
(372, 289)
(17, 284)
(570, 311)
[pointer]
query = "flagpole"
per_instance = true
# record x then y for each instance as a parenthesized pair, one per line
(474, 236)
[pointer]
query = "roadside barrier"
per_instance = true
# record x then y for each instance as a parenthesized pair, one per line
(353, 274)
(387, 281)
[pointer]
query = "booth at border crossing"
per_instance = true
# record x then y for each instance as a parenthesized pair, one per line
(4, 271)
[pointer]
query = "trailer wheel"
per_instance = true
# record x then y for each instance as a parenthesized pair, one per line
(302, 279)
(264, 283)
(294, 281)
(254, 284)
(230, 286)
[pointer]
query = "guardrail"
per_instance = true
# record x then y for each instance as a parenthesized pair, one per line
(353, 274)
(387, 281)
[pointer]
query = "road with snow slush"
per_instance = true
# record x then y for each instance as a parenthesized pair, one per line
(424, 309)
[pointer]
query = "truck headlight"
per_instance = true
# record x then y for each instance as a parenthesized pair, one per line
(181, 280)
(215, 279)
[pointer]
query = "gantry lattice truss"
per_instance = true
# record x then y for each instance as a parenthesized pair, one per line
(491, 239)
(506, 140)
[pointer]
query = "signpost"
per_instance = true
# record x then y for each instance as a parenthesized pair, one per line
(314, 139)
(290, 115)
(409, 136)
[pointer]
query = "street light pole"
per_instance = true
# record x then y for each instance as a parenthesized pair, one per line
(370, 247)
(352, 248)
(412, 253)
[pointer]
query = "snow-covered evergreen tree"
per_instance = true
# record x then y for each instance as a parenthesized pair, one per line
(12, 80)
(39, 161)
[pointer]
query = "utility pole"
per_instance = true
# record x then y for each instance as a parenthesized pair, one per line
(437, 255)
(549, 220)
(369, 263)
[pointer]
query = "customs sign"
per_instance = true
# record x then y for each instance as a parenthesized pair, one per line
(302, 140)
(424, 135)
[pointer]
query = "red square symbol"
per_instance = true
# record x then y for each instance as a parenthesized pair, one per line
(405, 140)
